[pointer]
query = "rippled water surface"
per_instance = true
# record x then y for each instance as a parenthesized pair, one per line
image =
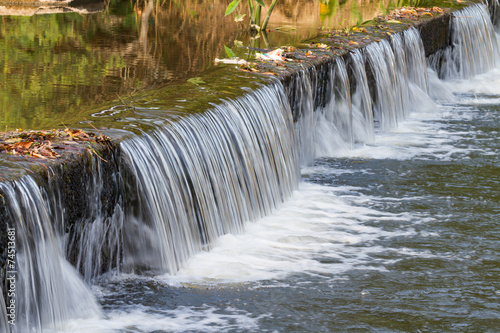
(400, 235)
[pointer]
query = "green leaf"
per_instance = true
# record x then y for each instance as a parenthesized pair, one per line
(229, 52)
(196, 80)
(239, 17)
(260, 2)
(232, 6)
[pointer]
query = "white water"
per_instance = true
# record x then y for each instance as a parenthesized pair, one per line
(474, 48)
(208, 175)
(318, 230)
(49, 291)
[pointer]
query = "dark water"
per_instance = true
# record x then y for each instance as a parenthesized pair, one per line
(398, 236)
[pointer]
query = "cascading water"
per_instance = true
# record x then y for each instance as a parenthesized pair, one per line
(333, 121)
(302, 97)
(4, 324)
(205, 175)
(49, 291)
(348, 119)
(389, 106)
(363, 126)
(474, 46)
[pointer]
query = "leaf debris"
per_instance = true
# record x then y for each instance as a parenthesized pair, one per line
(46, 144)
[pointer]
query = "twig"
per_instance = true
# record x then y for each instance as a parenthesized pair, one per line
(93, 151)
(128, 104)
(88, 122)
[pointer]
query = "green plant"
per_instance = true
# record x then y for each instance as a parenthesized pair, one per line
(254, 9)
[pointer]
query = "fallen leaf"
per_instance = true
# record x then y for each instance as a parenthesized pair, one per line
(23, 145)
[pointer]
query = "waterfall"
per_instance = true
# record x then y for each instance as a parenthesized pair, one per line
(49, 290)
(494, 7)
(389, 105)
(4, 325)
(186, 183)
(208, 174)
(351, 112)
(333, 121)
(301, 93)
(362, 105)
(473, 49)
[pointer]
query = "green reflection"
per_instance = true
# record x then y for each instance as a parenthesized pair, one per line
(51, 67)
(56, 67)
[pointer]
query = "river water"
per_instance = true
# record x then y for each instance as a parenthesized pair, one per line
(398, 233)
(401, 235)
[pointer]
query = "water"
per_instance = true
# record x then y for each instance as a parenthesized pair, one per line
(63, 65)
(59, 66)
(395, 230)
(45, 277)
(207, 174)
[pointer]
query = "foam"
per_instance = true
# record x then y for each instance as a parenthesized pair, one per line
(139, 318)
(316, 232)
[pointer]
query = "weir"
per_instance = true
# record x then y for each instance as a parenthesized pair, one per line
(171, 192)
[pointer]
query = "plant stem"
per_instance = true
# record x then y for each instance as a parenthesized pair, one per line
(257, 14)
(270, 10)
(250, 9)
(264, 37)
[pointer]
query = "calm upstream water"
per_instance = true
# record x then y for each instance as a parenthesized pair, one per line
(386, 228)
(61, 67)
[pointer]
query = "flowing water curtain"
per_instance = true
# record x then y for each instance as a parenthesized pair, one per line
(4, 320)
(400, 75)
(363, 126)
(473, 49)
(343, 104)
(494, 8)
(416, 64)
(93, 234)
(49, 290)
(301, 92)
(399, 70)
(329, 119)
(206, 175)
(386, 108)
(333, 129)
(98, 244)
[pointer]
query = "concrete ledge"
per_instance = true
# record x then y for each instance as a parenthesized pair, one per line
(435, 33)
